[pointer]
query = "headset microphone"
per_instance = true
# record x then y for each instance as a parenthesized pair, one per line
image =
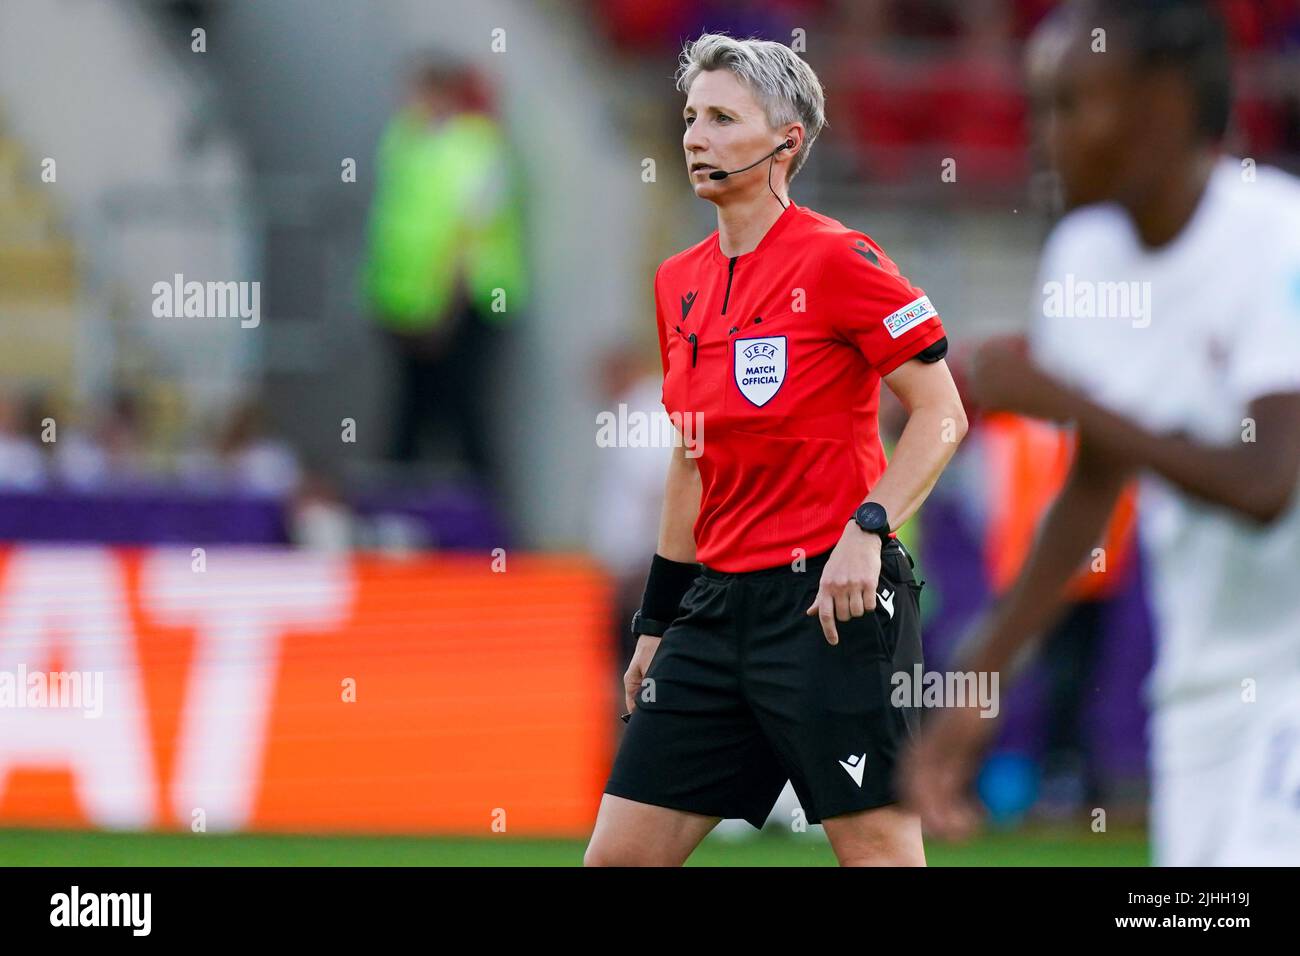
(723, 173)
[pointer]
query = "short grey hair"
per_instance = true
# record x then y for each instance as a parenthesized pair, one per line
(784, 84)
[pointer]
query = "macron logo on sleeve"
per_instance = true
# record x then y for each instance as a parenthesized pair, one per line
(908, 316)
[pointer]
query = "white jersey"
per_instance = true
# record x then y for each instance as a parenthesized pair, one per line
(1182, 339)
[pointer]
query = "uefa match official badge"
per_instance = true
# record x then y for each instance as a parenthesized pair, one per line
(760, 367)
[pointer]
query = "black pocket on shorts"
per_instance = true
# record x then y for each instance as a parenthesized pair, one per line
(690, 598)
(895, 587)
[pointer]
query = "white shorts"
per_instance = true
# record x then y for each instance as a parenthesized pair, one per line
(1240, 810)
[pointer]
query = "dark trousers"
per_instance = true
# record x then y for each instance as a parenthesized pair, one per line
(443, 385)
(1070, 655)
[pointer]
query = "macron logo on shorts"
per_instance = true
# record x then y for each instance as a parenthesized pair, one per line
(854, 766)
(886, 597)
(908, 316)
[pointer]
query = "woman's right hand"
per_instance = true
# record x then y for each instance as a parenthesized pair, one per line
(646, 646)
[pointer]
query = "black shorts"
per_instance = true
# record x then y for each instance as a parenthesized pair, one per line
(745, 693)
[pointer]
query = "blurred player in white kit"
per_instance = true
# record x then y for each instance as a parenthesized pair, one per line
(1167, 329)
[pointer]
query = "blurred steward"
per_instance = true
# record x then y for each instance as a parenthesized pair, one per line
(445, 268)
(1028, 461)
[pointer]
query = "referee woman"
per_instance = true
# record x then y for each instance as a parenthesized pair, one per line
(779, 604)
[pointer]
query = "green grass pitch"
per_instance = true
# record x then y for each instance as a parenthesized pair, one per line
(1026, 847)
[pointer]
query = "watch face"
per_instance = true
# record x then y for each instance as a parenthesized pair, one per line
(871, 517)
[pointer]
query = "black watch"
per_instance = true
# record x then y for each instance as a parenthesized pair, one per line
(873, 519)
(645, 625)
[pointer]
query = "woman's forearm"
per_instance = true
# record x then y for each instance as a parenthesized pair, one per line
(929, 440)
(682, 492)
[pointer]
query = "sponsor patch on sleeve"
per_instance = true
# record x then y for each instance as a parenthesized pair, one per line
(908, 316)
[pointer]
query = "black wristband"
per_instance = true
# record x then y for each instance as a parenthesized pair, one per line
(665, 587)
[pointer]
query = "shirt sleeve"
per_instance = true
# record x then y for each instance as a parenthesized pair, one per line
(873, 306)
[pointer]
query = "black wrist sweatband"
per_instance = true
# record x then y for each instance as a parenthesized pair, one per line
(665, 587)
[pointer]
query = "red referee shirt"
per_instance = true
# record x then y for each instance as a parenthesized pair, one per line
(773, 359)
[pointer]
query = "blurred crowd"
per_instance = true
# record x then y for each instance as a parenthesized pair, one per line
(444, 272)
(138, 470)
(1257, 25)
(44, 445)
(910, 82)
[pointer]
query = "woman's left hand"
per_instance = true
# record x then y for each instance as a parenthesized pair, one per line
(848, 583)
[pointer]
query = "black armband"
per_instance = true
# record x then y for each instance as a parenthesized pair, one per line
(934, 351)
(665, 587)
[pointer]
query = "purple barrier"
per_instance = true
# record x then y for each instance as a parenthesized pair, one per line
(448, 518)
(454, 518)
(141, 517)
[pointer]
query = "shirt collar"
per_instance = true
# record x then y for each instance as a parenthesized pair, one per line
(788, 215)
